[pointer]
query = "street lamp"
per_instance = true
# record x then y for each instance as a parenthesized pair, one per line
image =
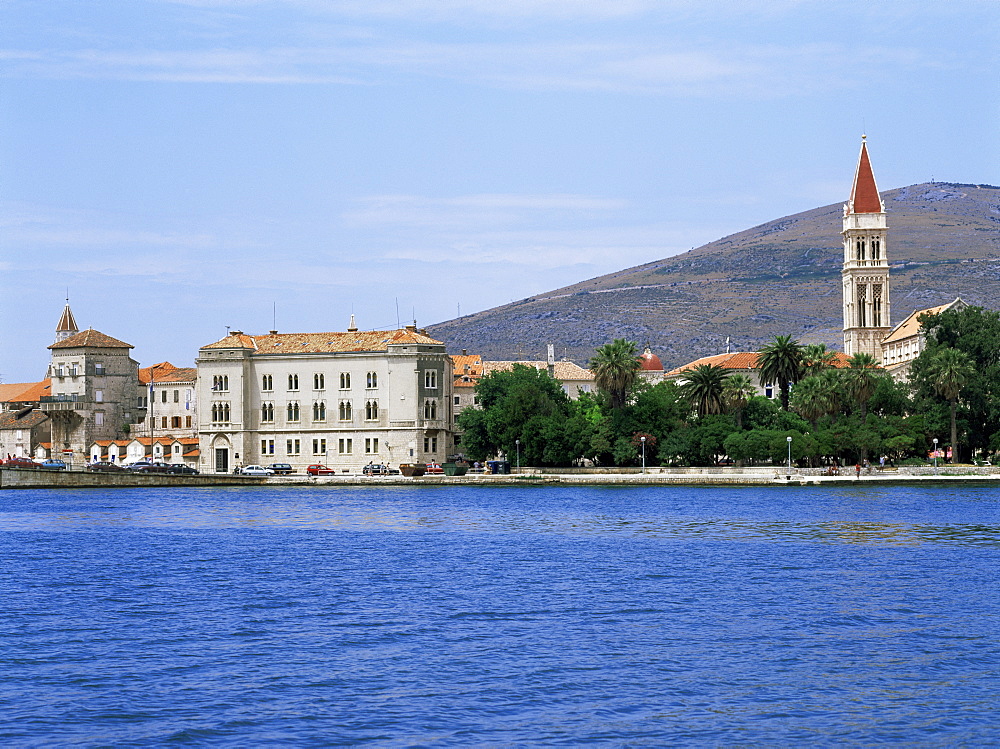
(935, 454)
(517, 443)
(789, 476)
(643, 440)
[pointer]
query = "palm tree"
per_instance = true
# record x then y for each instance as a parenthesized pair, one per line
(860, 378)
(780, 362)
(703, 388)
(817, 358)
(736, 393)
(615, 367)
(950, 371)
(815, 397)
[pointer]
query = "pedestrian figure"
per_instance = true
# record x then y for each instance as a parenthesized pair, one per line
(857, 470)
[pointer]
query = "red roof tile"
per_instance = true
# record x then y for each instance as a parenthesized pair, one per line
(91, 338)
(322, 343)
(864, 193)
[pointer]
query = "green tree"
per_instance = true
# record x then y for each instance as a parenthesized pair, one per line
(736, 393)
(703, 388)
(816, 357)
(861, 380)
(950, 370)
(814, 397)
(615, 367)
(780, 362)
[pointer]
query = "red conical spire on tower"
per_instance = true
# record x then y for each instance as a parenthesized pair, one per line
(864, 193)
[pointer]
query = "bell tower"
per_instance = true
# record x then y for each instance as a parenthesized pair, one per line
(865, 273)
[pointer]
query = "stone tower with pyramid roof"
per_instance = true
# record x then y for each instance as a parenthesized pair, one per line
(66, 327)
(865, 273)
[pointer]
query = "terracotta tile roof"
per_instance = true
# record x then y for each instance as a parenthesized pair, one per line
(564, 370)
(745, 361)
(167, 372)
(91, 338)
(864, 192)
(322, 343)
(25, 392)
(473, 361)
(911, 325)
(10, 420)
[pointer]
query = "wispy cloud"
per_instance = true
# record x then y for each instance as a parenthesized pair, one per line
(637, 66)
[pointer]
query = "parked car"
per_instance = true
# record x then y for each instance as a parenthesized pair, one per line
(181, 468)
(146, 467)
(281, 469)
(20, 463)
(104, 467)
(434, 468)
(375, 469)
(256, 471)
(53, 464)
(138, 465)
(319, 470)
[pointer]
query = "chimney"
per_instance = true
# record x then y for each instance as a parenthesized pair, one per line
(552, 360)
(352, 328)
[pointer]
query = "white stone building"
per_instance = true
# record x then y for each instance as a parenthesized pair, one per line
(343, 399)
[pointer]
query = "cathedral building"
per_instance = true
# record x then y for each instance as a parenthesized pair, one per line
(865, 272)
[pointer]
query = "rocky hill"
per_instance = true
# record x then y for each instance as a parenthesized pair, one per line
(780, 278)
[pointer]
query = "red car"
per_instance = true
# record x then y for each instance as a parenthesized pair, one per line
(21, 463)
(319, 470)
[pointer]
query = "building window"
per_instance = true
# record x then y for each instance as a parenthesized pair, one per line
(267, 382)
(430, 444)
(768, 390)
(430, 409)
(319, 411)
(372, 380)
(267, 412)
(175, 422)
(371, 445)
(292, 412)
(319, 381)
(292, 447)
(219, 383)
(99, 396)
(293, 382)
(345, 446)
(457, 400)
(344, 411)
(319, 447)
(267, 447)
(177, 396)
(163, 422)
(430, 379)
(99, 368)
(163, 396)
(345, 380)
(187, 422)
(371, 410)
(99, 418)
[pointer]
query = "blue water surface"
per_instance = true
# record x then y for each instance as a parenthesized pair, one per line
(436, 616)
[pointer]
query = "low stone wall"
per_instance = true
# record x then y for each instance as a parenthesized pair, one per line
(26, 478)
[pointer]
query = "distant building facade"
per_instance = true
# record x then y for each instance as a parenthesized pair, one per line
(171, 396)
(865, 273)
(94, 392)
(345, 399)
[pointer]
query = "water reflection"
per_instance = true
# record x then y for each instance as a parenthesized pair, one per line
(901, 517)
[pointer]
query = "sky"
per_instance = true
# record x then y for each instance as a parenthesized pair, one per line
(184, 167)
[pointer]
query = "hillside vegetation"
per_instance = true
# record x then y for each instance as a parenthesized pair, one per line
(782, 277)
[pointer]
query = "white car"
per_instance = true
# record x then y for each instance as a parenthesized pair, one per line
(256, 471)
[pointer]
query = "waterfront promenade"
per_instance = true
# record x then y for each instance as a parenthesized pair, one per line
(728, 476)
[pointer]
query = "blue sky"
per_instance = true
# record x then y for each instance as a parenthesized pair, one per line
(186, 165)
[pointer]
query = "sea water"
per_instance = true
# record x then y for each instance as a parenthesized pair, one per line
(437, 616)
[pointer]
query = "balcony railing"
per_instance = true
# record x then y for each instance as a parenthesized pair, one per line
(65, 398)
